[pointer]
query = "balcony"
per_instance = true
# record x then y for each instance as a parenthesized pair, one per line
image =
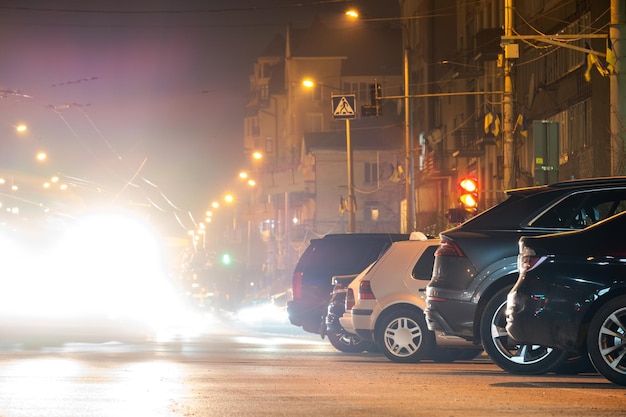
(469, 143)
(438, 163)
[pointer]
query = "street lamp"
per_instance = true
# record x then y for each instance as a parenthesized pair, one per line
(408, 137)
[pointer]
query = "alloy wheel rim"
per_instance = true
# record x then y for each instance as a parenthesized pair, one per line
(612, 340)
(403, 337)
(516, 353)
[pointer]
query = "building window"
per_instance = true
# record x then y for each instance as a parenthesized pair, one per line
(264, 92)
(269, 144)
(361, 91)
(371, 172)
(563, 60)
(372, 211)
(266, 70)
(574, 129)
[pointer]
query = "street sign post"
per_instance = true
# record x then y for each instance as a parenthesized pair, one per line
(343, 107)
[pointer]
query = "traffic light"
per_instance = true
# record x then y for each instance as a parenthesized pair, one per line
(469, 193)
(374, 109)
(226, 259)
(375, 90)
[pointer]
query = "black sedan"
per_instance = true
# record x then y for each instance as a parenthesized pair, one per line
(476, 265)
(571, 294)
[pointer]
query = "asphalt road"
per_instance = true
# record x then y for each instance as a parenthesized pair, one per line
(247, 372)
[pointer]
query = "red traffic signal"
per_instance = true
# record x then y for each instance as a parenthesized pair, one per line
(469, 193)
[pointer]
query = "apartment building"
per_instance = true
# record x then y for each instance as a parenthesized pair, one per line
(303, 174)
(559, 110)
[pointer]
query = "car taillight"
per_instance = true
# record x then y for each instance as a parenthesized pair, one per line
(349, 300)
(365, 291)
(448, 248)
(528, 259)
(296, 285)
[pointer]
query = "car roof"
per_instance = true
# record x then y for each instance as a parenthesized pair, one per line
(394, 255)
(390, 236)
(582, 183)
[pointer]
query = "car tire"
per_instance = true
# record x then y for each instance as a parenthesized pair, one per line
(403, 336)
(507, 353)
(606, 340)
(349, 343)
(447, 355)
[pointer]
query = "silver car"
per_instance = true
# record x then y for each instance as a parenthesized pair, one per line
(385, 304)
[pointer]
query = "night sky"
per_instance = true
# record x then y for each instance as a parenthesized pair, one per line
(121, 92)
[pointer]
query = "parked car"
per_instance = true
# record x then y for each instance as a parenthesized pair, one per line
(265, 312)
(571, 295)
(337, 336)
(476, 264)
(385, 305)
(324, 258)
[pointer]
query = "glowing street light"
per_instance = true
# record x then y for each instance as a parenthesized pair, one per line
(352, 13)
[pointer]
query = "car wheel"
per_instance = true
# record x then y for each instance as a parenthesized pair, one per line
(403, 336)
(606, 340)
(348, 343)
(505, 351)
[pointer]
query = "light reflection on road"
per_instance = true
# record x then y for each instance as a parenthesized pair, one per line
(51, 387)
(126, 379)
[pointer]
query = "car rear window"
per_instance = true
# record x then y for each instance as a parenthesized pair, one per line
(423, 269)
(337, 254)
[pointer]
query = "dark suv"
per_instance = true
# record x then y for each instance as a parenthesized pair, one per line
(476, 264)
(332, 255)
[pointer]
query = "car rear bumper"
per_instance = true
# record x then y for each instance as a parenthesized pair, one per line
(346, 322)
(306, 315)
(450, 316)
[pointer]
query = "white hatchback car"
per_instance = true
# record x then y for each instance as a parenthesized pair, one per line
(385, 304)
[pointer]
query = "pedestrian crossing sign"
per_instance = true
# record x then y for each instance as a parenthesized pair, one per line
(343, 106)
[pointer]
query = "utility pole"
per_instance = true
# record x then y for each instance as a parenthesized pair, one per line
(617, 36)
(351, 200)
(408, 151)
(508, 145)
(617, 89)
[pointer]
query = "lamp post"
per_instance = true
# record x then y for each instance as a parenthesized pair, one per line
(408, 149)
(351, 205)
(409, 160)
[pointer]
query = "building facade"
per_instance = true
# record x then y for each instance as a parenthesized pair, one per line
(302, 190)
(484, 102)
(462, 126)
